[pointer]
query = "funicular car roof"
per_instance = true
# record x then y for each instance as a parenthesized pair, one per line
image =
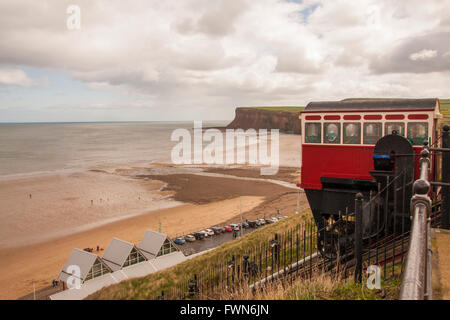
(377, 104)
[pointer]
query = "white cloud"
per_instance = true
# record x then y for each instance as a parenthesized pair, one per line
(214, 55)
(423, 55)
(18, 77)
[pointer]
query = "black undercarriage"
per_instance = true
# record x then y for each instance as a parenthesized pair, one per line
(385, 205)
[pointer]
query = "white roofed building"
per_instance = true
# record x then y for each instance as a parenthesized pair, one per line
(155, 244)
(121, 254)
(122, 260)
(84, 266)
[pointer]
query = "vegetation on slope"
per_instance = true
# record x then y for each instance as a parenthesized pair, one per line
(322, 287)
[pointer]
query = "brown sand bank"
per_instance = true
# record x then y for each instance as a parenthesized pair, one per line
(40, 263)
(199, 189)
(287, 174)
(203, 189)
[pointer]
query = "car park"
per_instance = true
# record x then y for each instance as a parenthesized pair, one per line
(179, 240)
(189, 238)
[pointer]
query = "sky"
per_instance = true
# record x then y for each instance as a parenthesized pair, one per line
(145, 60)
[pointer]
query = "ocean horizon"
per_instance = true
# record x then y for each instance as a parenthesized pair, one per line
(41, 147)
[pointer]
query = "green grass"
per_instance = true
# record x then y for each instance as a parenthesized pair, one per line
(445, 106)
(273, 108)
(324, 286)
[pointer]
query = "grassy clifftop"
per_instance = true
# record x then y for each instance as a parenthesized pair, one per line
(274, 108)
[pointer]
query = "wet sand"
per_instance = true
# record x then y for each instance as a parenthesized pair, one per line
(60, 204)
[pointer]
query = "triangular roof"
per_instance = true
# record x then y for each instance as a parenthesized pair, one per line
(117, 253)
(151, 243)
(84, 260)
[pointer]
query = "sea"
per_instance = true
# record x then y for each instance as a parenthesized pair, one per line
(33, 148)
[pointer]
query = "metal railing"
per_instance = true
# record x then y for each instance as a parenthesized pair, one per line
(415, 283)
(417, 280)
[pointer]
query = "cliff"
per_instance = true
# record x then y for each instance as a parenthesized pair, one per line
(267, 118)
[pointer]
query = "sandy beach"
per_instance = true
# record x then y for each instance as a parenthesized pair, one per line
(67, 219)
(35, 209)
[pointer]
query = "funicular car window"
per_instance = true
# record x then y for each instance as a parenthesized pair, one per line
(313, 133)
(352, 133)
(397, 126)
(332, 132)
(417, 132)
(372, 132)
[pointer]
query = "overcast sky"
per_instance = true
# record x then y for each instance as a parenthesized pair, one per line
(199, 59)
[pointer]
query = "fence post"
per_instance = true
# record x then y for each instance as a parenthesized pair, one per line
(358, 237)
(445, 208)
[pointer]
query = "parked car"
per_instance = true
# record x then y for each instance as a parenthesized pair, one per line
(199, 235)
(179, 240)
(274, 219)
(205, 232)
(235, 226)
(189, 238)
(252, 223)
(269, 220)
(262, 222)
(228, 229)
(210, 232)
(245, 225)
(217, 230)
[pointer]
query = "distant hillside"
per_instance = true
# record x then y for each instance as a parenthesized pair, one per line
(283, 118)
